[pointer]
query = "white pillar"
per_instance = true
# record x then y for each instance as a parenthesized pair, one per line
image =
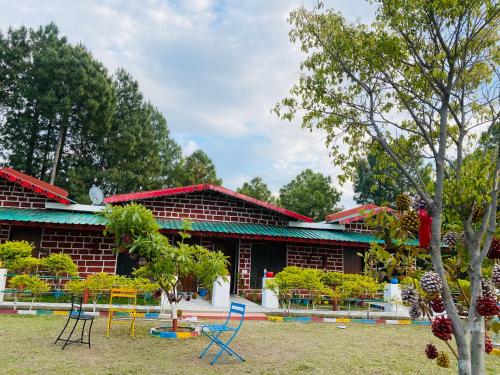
(269, 298)
(392, 297)
(3, 282)
(221, 292)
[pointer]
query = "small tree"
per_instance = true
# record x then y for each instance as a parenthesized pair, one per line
(33, 284)
(97, 284)
(26, 265)
(136, 229)
(60, 264)
(10, 251)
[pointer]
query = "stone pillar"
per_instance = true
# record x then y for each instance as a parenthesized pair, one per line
(221, 292)
(3, 282)
(269, 298)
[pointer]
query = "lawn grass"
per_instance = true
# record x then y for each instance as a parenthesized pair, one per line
(268, 347)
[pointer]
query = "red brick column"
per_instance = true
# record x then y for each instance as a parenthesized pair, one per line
(244, 265)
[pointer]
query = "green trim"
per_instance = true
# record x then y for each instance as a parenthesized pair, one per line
(242, 229)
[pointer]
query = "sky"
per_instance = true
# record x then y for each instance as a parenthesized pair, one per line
(215, 69)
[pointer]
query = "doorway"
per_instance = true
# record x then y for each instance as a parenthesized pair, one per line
(229, 248)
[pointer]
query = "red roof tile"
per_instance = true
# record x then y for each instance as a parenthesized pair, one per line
(38, 186)
(204, 187)
(354, 214)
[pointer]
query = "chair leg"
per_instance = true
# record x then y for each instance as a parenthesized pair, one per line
(59, 337)
(69, 337)
(83, 331)
(225, 348)
(212, 337)
(90, 329)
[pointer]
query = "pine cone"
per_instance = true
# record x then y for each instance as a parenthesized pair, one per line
(437, 305)
(431, 351)
(431, 283)
(418, 203)
(442, 360)
(477, 212)
(452, 238)
(415, 311)
(494, 252)
(488, 288)
(403, 202)
(488, 344)
(487, 306)
(495, 274)
(410, 221)
(441, 328)
(409, 295)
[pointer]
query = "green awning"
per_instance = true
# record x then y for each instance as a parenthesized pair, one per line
(242, 229)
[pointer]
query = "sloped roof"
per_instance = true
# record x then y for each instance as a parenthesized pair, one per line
(240, 230)
(200, 188)
(355, 214)
(52, 192)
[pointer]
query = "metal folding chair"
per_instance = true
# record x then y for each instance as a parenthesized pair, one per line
(76, 313)
(131, 314)
(214, 332)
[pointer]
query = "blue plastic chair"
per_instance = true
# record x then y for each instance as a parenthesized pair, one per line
(214, 331)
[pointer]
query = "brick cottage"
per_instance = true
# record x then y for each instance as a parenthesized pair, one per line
(255, 235)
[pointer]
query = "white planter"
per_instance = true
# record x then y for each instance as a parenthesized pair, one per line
(392, 293)
(221, 292)
(3, 282)
(269, 298)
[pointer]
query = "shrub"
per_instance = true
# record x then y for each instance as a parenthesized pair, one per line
(76, 287)
(60, 264)
(10, 251)
(26, 265)
(29, 283)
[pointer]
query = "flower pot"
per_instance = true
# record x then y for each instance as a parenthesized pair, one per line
(202, 293)
(270, 274)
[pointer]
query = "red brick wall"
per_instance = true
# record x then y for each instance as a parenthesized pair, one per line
(213, 207)
(13, 195)
(320, 257)
(4, 233)
(90, 250)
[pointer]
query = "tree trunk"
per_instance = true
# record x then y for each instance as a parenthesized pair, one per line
(58, 153)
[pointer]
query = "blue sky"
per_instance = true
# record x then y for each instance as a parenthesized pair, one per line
(214, 68)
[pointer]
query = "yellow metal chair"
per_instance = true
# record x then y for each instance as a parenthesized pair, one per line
(131, 295)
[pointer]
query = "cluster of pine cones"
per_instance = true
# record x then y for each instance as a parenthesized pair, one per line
(409, 217)
(441, 328)
(495, 275)
(451, 239)
(442, 359)
(431, 283)
(494, 252)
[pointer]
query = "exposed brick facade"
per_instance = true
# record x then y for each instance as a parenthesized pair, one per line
(212, 206)
(90, 250)
(13, 195)
(319, 257)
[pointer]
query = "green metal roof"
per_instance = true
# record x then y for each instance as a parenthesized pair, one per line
(87, 218)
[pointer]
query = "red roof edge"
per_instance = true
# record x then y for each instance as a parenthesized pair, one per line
(52, 192)
(204, 187)
(355, 214)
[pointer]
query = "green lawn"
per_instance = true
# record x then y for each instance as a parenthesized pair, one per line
(269, 348)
